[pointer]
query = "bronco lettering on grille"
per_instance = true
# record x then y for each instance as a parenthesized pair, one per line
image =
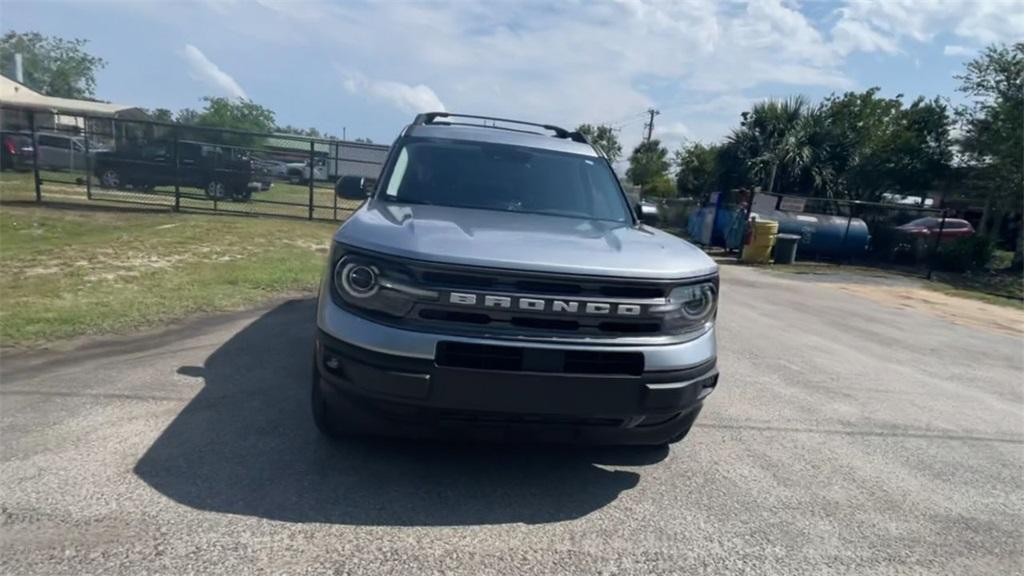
(532, 304)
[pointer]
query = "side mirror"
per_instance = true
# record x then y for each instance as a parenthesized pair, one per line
(648, 213)
(350, 188)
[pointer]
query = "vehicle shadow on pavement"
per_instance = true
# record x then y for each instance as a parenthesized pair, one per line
(246, 445)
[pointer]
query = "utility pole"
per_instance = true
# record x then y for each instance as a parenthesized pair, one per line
(650, 125)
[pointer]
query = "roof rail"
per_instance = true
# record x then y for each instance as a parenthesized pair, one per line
(429, 117)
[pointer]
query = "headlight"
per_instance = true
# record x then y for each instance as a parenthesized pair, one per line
(364, 283)
(357, 279)
(689, 307)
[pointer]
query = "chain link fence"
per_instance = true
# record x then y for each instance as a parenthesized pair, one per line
(888, 234)
(79, 158)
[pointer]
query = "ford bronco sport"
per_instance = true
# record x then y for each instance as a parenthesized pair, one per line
(497, 282)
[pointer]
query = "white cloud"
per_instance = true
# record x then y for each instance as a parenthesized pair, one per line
(881, 25)
(408, 99)
(598, 62)
(954, 50)
(572, 63)
(673, 135)
(201, 68)
(850, 35)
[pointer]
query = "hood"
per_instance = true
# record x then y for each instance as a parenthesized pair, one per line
(522, 241)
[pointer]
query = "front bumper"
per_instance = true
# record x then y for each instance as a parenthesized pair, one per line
(417, 396)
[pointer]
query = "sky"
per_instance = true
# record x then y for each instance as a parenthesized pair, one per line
(366, 68)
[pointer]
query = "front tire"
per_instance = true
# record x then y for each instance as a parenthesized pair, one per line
(216, 190)
(109, 178)
(241, 194)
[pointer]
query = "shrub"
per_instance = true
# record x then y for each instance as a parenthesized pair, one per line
(964, 254)
(660, 188)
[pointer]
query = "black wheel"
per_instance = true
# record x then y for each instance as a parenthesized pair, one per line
(241, 194)
(109, 178)
(216, 190)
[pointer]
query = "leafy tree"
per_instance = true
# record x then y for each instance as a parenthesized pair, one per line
(920, 149)
(993, 135)
(186, 116)
(603, 136)
(310, 132)
(767, 138)
(660, 187)
(696, 169)
(647, 163)
(235, 114)
(857, 145)
(862, 126)
(51, 65)
(160, 115)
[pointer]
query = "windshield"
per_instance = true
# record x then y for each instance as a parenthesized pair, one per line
(503, 177)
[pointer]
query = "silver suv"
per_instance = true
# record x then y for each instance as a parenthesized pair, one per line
(497, 283)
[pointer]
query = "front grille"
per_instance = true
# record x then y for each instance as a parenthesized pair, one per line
(446, 279)
(525, 359)
(473, 301)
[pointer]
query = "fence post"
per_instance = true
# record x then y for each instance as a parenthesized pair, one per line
(88, 158)
(312, 174)
(177, 173)
(35, 156)
(935, 246)
(842, 245)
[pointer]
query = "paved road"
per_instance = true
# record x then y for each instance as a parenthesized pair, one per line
(845, 438)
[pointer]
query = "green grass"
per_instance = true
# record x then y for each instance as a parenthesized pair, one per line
(68, 270)
(1003, 288)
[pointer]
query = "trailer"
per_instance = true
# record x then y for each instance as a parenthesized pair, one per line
(337, 158)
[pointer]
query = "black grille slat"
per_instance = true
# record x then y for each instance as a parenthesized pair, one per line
(544, 323)
(457, 280)
(506, 320)
(552, 288)
(632, 291)
(450, 316)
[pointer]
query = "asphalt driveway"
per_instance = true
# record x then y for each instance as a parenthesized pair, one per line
(846, 436)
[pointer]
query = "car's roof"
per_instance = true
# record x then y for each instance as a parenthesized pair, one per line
(500, 136)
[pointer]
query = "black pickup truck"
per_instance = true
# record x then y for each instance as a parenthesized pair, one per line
(222, 172)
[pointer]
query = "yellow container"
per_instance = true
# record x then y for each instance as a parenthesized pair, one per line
(762, 240)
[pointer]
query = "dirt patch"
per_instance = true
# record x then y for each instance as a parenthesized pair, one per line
(319, 247)
(956, 310)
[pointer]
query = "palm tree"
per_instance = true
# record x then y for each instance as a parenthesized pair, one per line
(787, 144)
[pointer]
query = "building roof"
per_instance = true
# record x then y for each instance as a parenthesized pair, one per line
(16, 95)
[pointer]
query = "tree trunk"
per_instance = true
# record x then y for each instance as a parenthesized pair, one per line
(986, 215)
(771, 182)
(1018, 252)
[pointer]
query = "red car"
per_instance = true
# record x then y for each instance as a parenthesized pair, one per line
(15, 151)
(926, 227)
(917, 237)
